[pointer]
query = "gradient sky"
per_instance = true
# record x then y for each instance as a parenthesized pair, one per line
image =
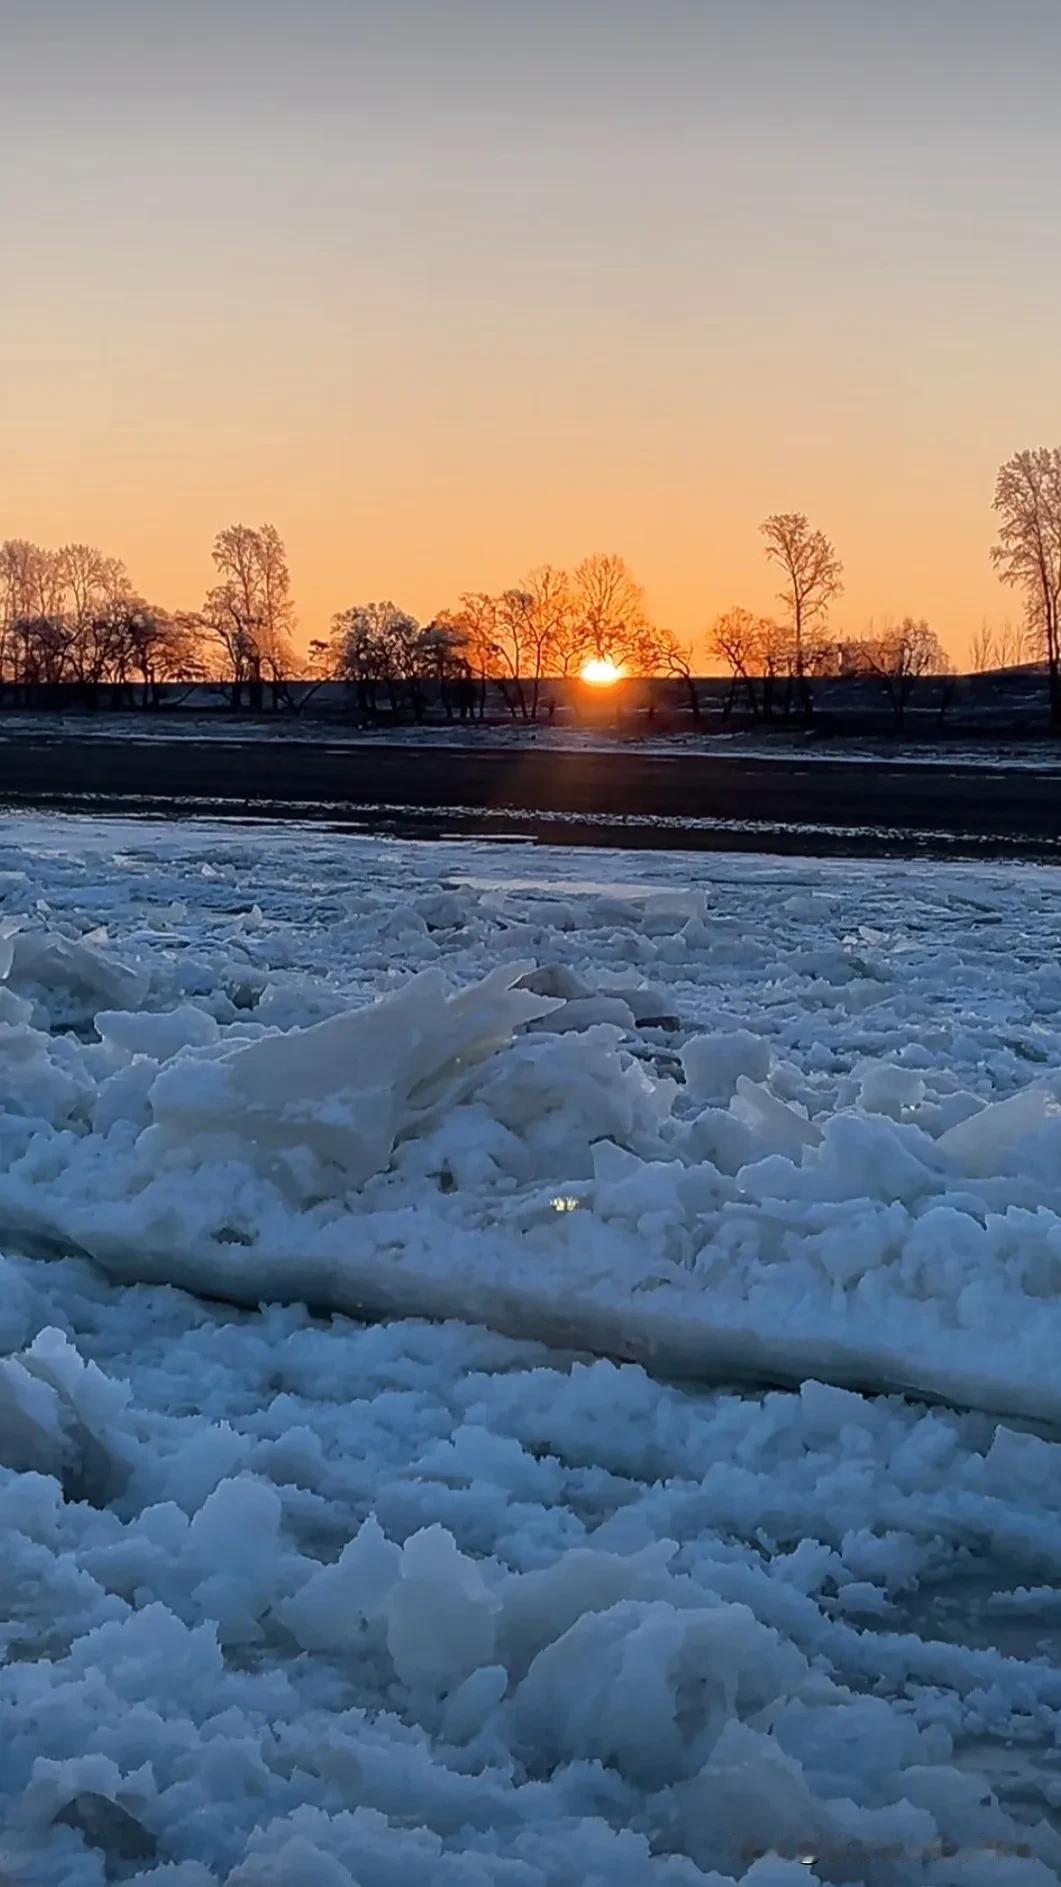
(445, 288)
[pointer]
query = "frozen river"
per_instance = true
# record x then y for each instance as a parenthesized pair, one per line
(404, 1245)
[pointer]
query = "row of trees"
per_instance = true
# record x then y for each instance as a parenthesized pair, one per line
(550, 625)
(72, 616)
(771, 675)
(774, 662)
(554, 623)
(1027, 557)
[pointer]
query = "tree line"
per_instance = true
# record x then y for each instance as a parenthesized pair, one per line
(70, 619)
(547, 627)
(774, 661)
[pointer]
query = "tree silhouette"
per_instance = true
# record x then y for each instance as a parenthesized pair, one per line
(249, 613)
(1028, 553)
(899, 658)
(812, 577)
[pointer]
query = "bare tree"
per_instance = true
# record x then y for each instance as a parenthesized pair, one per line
(378, 645)
(43, 647)
(1028, 553)
(551, 623)
(445, 659)
(1011, 644)
(775, 662)
(28, 587)
(536, 629)
(513, 650)
(474, 621)
(549, 626)
(149, 646)
(676, 661)
(19, 598)
(812, 577)
(95, 591)
(30, 579)
(610, 618)
(89, 580)
(352, 654)
(731, 640)
(18, 581)
(982, 650)
(458, 658)
(998, 646)
(70, 618)
(757, 651)
(899, 658)
(35, 635)
(645, 651)
(249, 613)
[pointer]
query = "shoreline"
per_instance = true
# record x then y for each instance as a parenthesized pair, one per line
(644, 801)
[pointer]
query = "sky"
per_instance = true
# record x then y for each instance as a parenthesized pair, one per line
(448, 288)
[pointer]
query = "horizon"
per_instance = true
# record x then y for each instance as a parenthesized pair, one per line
(449, 297)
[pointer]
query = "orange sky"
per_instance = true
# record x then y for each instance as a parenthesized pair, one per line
(448, 291)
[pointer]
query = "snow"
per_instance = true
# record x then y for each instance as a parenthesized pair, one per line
(560, 1586)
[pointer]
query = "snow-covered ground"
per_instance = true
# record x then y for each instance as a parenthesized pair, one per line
(292, 1599)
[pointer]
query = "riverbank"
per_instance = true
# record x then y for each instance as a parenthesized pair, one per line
(576, 795)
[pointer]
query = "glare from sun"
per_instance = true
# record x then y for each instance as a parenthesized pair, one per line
(600, 672)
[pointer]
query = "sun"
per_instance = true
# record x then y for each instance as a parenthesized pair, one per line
(600, 672)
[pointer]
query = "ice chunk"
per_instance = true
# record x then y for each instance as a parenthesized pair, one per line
(556, 979)
(666, 911)
(885, 1088)
(468, 1707)
(780, 1128)
(441, 1622)
(105, 1824)
(650, 1688)
(293, 1862)
(653, 1008)
(442, 910)
(43, 960)
(647, 1004)
(14, 1009)
(140, 1032)
(328, 1611)
(33, 1425)
(541, 1606)
(808, 905)
(585, 1012)
(213, 1453)
(345, 1088)
(61, 1417)
(977, 1144)
(713, 1064)
(9, 929)
(234, 1542)
(22, 1310)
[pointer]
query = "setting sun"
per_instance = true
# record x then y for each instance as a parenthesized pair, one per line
(600, 672)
